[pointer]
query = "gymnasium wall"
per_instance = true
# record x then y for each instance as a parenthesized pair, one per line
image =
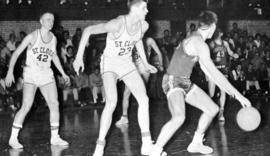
(6, 27)
(252, 26)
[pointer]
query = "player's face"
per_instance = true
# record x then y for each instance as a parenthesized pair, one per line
(212, 30)
(47, 21)
(142, 10)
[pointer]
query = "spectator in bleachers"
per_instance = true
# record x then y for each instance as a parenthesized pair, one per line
(76, 38)
(267, 62)
(166, 40)
(58, 32)
(97, 85)
(263, 77)
(240, 43)
(256, 61)
(67, 39)
(244, 34)
(22, 35)
(235, 28)
(238, 51)
(257, 41)
(250, 42)
(167, 43)
(247, 54)
(5, 53)
(11, 43)
(67, 53)
(228, 38)
(251, 78)
(237, 78)
(179, 37)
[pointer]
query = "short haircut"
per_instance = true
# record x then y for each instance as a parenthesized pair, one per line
(130, 3)
(42, 15)
(206, 18)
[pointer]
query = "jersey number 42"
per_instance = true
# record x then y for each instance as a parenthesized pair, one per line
(42, 57)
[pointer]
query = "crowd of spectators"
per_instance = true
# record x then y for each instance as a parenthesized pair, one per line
(249, 73)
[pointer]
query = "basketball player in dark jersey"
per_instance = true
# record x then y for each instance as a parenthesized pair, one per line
(41, 51)
(220, 50)
(179, 89)
(123, 33)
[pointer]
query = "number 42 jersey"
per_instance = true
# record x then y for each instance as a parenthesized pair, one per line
(40, 54)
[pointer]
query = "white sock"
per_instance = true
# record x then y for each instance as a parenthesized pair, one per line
(146, 138)
(54, 129)
(198, 138)
(15, 130)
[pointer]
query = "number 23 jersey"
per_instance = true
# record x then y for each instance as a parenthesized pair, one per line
(121, 47)
(40, 54)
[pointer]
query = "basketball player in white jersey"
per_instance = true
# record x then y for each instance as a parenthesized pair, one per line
(41, 50)
(179, 88)
(149, 44)
(123, 33)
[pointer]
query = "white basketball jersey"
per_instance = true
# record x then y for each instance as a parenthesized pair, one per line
(122, 46)
(41, 53)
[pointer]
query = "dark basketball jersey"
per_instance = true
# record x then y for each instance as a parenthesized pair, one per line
(219, 54)
(181, 64)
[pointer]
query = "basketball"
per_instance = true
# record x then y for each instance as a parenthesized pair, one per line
(248, 119)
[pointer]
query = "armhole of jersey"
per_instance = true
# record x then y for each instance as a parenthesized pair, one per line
(32, 45)
(120, 31)
(141, 30)
(55, 46)
(184, 48)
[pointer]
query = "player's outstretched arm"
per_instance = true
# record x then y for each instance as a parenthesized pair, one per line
(112, 26)
(26, 41)
(215, 75)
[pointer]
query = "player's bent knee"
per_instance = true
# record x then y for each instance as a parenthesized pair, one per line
(178, 119)
(214, 110)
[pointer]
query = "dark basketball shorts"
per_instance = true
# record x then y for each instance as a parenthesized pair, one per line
(170, 84)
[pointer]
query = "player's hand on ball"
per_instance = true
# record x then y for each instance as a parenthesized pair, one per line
(244, 101)
(77, 65)
(151, 69)
(9, 79)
